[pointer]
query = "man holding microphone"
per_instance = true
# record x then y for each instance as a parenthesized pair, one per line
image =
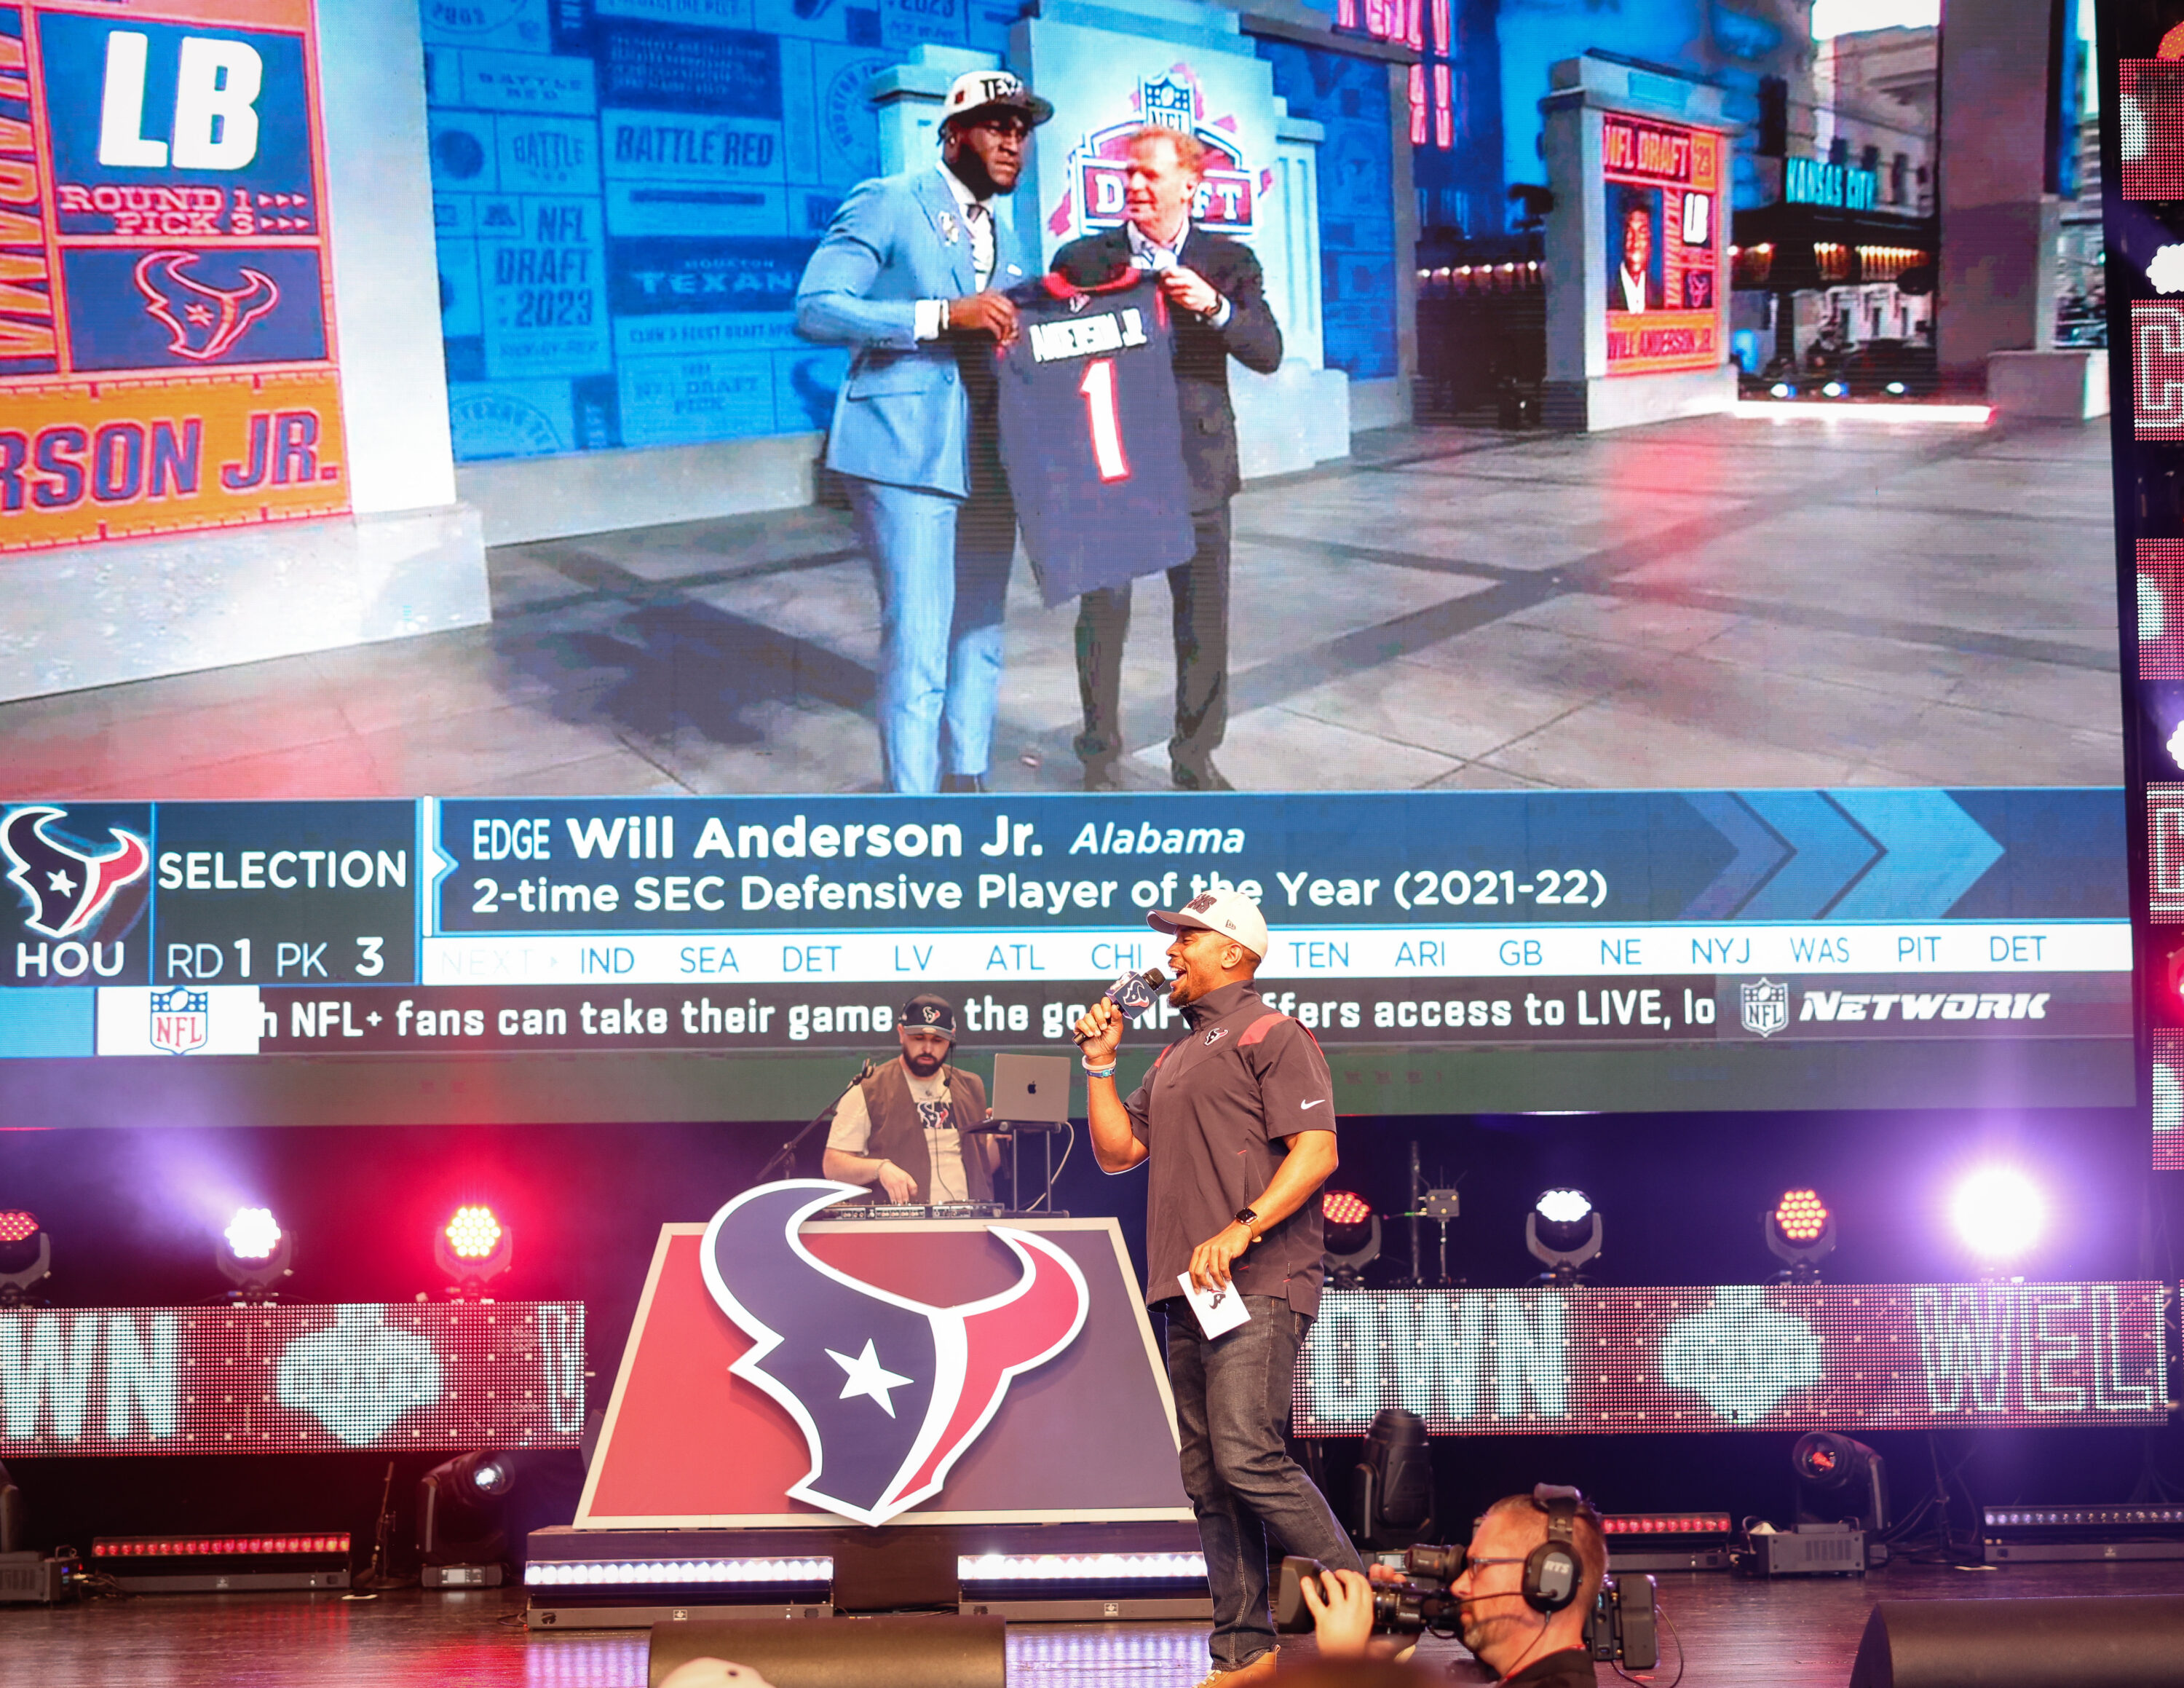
(1237, 1119)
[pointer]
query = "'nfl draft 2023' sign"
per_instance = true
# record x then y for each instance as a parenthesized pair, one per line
(166, 328)
(785, 1366)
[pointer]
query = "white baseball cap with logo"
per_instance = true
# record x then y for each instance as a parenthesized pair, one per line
(1228, 912)
(978, 91)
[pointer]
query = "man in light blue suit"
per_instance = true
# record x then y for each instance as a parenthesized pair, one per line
(912, 273)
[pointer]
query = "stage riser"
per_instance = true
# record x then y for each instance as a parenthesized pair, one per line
(899, 1651)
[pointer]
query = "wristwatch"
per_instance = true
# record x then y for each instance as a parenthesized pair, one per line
(1246, 1218)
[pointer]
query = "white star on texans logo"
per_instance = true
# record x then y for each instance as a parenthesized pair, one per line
(867, 1377)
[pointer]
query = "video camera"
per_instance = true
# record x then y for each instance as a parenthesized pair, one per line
(1420, 1602)
(1621, 1627)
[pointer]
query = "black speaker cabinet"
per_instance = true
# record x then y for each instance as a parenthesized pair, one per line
(845, 1652)
(2135, 1641)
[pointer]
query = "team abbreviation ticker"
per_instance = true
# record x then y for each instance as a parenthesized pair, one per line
(788, 924)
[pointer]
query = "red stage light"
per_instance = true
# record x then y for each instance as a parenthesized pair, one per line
(1801, 1215)
(473, 1233)
(16, 1226)
(1341, 1207)
(201, 1546)
(1665, 1523)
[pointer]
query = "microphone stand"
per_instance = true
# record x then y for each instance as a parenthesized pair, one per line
(784, 1158)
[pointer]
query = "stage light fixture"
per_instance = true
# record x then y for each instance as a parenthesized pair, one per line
(811, 1573)
(15, 1516)
(255, 1254)
(463, 1493)
(1351, 1234)
(1395, 1486)
(473, 1247)
(1562, 1230)
(26, 1255)
(1840, 1481)
(1800, 1232)
(1998, 1213)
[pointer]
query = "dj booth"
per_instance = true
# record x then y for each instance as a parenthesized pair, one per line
(817, 1413)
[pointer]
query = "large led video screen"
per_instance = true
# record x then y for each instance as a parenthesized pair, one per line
(1787, 1356)
(1688, 715)
(2142, 72)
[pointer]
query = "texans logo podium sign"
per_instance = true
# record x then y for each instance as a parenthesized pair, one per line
(785, 1366)
(167, 357)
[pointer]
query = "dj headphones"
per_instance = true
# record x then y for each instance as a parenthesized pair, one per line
(1553, 1574)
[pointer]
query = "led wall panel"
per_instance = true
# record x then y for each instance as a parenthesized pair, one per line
(1850, 1357)
(291, 1379)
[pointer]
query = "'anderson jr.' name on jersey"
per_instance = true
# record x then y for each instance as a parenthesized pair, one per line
(1087, 336)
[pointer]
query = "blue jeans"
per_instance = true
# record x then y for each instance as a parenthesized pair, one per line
(1231, 1404)
(942, 567)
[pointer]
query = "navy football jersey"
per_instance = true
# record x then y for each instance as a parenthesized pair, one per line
(1093, 436)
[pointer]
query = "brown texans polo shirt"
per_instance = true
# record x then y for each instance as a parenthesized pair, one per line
(1214, 1112)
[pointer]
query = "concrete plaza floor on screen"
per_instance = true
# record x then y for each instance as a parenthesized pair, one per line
(1719, 602)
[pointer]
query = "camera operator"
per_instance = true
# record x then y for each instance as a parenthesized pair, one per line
(1531, 1574)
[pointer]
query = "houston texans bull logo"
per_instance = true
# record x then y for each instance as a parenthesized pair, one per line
(69, 888)
(888, 1391)
(204, 321)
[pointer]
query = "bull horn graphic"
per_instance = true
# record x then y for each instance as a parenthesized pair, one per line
(888, 1391)
(219, 315)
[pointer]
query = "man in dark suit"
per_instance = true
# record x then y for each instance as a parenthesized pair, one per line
(1215, 288)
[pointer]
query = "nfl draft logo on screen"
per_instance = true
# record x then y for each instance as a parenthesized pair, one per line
(1228, 197)
(888, 1391)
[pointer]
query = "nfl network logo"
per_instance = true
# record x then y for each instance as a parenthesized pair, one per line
(1766, 1006)
(182, 1020)
(1168, 104)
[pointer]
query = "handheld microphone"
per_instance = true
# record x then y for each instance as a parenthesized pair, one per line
(1132, 993)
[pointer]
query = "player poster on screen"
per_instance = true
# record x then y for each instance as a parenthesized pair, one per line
(166, 329)
(1663, 185)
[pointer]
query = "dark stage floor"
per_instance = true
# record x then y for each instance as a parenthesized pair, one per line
(1799, 1634)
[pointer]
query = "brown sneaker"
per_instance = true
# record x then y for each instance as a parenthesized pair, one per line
(1260, 1670)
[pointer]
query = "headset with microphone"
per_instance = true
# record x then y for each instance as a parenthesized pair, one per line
(1553, 1574)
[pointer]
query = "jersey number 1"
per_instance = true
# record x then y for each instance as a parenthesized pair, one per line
(1098, 387)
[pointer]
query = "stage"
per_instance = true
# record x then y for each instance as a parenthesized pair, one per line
(1788, 1634)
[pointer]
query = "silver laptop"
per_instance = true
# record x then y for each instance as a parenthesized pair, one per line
(1030, 1089)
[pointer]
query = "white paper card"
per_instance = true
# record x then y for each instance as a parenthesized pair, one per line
(1218, 1312)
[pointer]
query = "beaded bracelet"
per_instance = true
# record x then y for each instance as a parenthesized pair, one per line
(1091, 1071)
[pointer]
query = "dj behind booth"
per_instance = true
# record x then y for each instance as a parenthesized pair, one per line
(913, 1129)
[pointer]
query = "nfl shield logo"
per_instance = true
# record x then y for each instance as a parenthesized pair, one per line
(1766, 1007)
(182, 1020)
(1168, 104)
